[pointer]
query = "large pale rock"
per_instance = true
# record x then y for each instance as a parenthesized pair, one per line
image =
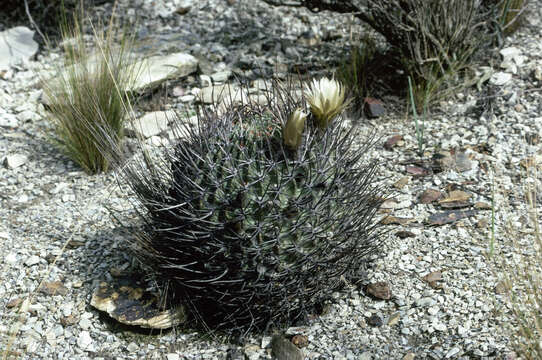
(16, 45)
(156, 69)
(150, 124)
(15, 160)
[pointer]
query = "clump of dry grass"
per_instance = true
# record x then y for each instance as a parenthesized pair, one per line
(88, 100)
(518, 262)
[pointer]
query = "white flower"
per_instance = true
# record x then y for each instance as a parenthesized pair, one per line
(293, 129)
(326, 99)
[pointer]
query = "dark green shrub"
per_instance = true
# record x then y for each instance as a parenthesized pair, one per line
(252, 233)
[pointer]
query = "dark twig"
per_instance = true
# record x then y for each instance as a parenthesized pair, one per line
(27, 10)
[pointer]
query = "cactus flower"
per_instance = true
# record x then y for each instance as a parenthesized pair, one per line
(293, 129)
(326, 100)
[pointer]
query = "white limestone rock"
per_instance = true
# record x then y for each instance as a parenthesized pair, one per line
(16, 45)
(156, 69)
(150, 124)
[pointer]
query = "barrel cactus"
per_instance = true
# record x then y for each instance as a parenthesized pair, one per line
(257, 215)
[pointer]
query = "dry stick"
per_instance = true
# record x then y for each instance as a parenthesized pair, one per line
(27, 10)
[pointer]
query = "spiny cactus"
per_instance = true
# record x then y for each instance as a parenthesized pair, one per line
(253, 226)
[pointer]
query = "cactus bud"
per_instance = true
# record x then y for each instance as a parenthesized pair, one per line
(326, 100)
(293, 129)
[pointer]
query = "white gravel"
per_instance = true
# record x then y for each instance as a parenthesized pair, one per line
(51, 208)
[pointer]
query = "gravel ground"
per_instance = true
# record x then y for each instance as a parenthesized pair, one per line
(50, 207)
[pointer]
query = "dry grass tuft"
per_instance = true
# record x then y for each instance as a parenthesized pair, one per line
(88, 101)
(518, 262)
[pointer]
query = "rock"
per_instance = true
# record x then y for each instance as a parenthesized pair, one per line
(425, 302)
(150, 124)
(14, 303)
(187, 98)
(449, 216)
(8, 120)
(482, 206)
(33, 260)
(373, 108)
(282, 349)
(85, 324)
(409, 356)
(178, 91)
(429, 196)
(433, 276)
(182, 10)
(252, 352)
(379, 290)
(452, 352)
(226, 95)
(53, 288)
(127, 301)
(16, 45)
(10, 258)
(156, 69)
(221, 76)
(417, 170)
(393, 141)
(132, 347)
(462, 162)
(68, 320)
(404, 234)
(300, 341)
(172, 356)
(393, 220)
(15, 160)
(537, 73)
(266, 342)
(509, 52)
(234, 354)
(394, 318)
(500, 78)
(374, 320)
(399, 184)
(205, 80)
(214, 94)
(454, 197)
(84, 341)
(27, 115)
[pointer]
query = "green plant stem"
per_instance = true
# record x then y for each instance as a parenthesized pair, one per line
(419, 128)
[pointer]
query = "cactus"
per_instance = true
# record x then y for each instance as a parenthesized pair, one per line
(251, 232)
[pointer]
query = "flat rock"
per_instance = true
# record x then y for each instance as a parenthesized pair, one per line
(127, 301)
(283, 349)
(500, 78)
(15, 160)
(150, 124)
(379, 290)
(8, 120)
(449, 216)
(221, 76)
(373, 108)
(156, 69)
(16, 45)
